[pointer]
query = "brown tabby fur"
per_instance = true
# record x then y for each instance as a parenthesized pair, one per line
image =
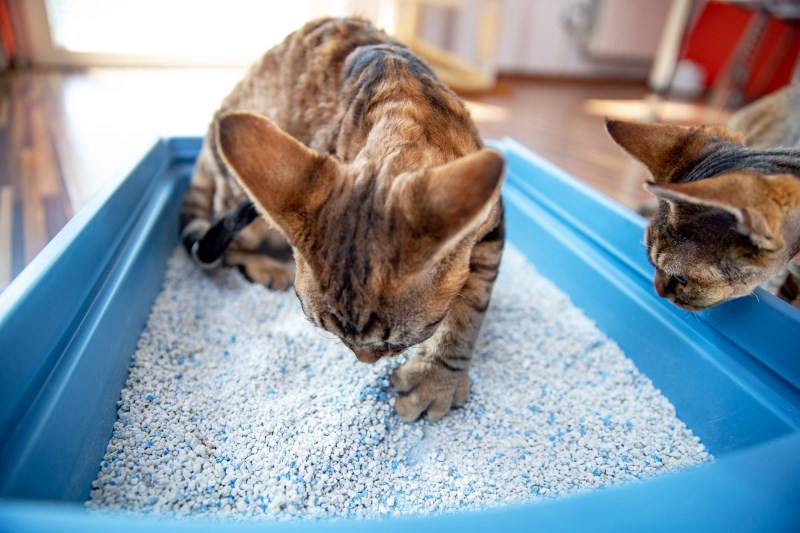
(769, 122)
(728, 217)
(374, 173)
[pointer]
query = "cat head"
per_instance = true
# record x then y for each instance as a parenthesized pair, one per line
(712, 239)
(378, 261)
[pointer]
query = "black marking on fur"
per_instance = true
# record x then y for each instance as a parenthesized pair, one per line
(370, 324)
(480, 308)
(217, 239)
(367, 85)
(449, 367)
(189, 240)
(772, 161)
(481, 268)
(346, 328)
(379, 54)
(372, 63)
(244, 273)
(433, 325)
(432, 92)
(416, 66)
(790, 289)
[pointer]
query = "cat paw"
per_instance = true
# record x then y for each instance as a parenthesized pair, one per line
(267, 271)
(428, 388)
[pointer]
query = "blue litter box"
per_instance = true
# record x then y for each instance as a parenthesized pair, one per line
(69, 324)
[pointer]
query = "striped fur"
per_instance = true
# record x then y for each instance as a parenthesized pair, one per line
(770, 121)
(372, 170)
(728, 217)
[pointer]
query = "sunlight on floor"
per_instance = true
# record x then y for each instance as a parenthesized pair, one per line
(486, 112)
(112, 117)
(654, 110)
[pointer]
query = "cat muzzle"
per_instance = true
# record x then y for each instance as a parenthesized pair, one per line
(369, 354)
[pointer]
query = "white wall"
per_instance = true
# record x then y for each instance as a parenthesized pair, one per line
(582, 38)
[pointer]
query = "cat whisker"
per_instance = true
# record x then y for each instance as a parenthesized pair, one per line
(326, 334)
(693, 314)
(754, 295)
(322, 332)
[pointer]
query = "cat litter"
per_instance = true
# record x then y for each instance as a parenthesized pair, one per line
(235, 406)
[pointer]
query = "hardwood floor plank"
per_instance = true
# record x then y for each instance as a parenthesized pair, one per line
(6, 234)
(5, 109)
(60, 141)
(48, 175)
(33, 214)
(17, 239)
(56, 214)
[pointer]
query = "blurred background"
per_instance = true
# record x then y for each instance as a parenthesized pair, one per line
(87, 86)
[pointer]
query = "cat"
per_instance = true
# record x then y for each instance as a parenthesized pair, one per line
(770, 122)
(372, 170)
(728, 217)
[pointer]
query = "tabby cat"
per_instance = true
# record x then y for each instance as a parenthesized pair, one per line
(372, 170)
(770, 122)
(728, 217)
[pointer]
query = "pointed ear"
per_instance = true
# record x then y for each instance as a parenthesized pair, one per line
(282, 176)
(748, 196)
(652, 144)
(441, 205)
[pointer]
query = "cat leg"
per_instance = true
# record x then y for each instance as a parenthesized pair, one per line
(197, 206)
(261, 268)
(436, 380)
(790, 289)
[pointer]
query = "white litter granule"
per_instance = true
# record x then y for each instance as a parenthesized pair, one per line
(236, 406)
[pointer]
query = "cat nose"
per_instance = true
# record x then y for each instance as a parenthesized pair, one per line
(661, 283)
(370, 354)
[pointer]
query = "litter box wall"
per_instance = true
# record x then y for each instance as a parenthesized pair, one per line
(70, 321)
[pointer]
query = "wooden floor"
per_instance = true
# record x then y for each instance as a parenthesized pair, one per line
(64, 135)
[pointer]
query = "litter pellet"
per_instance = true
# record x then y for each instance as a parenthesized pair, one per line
(236, 406)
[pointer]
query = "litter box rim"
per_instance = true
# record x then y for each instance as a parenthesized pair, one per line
(754, 486)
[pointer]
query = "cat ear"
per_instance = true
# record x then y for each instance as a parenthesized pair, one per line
(441, 205)
(282, 176)
(652, 144)
(746, 195)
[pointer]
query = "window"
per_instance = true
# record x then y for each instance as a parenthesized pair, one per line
(174, 32)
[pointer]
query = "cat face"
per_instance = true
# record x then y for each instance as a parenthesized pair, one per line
(712, 239)
(378, 261)
(700, 257)
(384, 312)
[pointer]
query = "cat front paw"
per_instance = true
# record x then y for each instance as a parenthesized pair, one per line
(260, 268)
(429, 388)
(271, 276)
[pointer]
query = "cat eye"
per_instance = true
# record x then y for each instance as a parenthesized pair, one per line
(679, 279)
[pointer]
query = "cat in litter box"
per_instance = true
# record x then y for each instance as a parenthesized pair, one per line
(728, 217)
(356, 156)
